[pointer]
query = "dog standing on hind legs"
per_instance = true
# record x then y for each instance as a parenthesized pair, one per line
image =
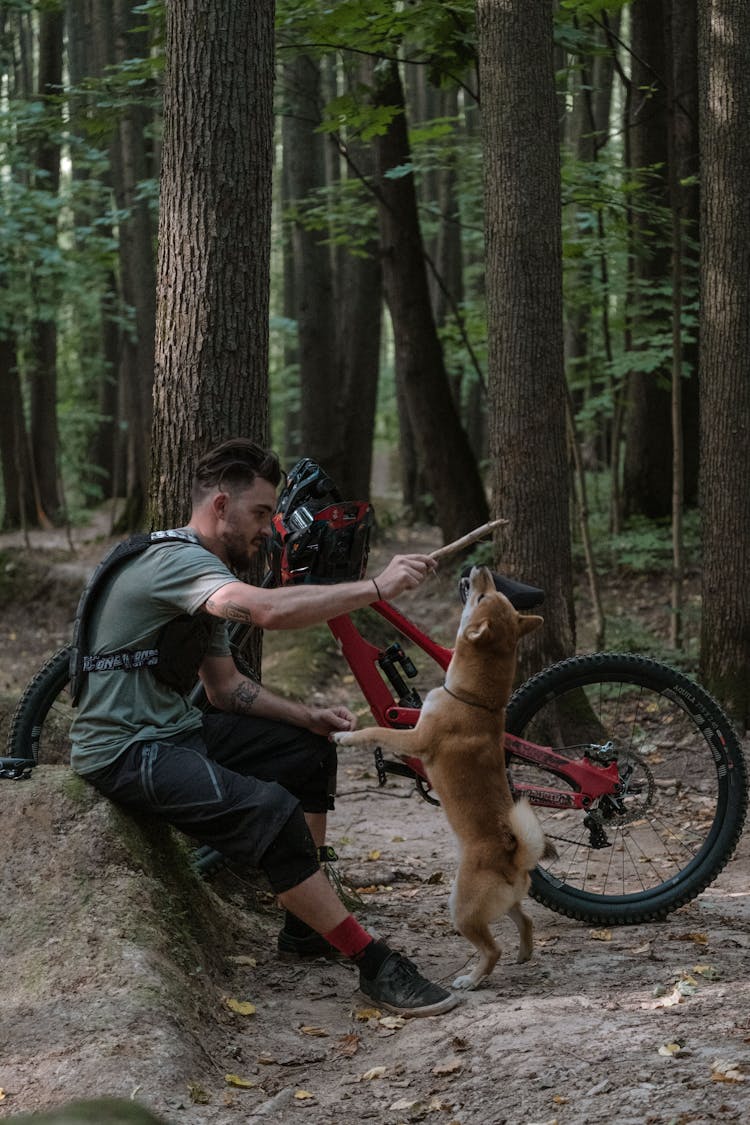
(459, 738)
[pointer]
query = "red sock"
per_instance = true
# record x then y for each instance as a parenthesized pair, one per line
(349, 937)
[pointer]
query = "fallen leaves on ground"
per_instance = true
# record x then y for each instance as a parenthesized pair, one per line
(303, 1095)
(347, 1045)
(726, 1070)
(197, 1094)
(372, 1073)
(241, 1007)
(672, 1050)
(448, 1066)
(318, 1032)
(708, 972)
(364, 1014)
(600, 935)
(241, 1083)
(698, 939)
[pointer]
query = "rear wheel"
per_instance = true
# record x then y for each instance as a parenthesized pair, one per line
(683, 797)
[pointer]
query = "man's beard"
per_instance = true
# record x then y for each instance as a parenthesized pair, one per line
(239, 557)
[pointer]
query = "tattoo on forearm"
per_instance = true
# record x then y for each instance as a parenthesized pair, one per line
(231, 611)
(242, 699)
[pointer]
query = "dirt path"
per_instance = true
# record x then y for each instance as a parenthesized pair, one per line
(648, 1024)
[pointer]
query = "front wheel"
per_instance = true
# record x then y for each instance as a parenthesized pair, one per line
(40, 726)
(683, 797)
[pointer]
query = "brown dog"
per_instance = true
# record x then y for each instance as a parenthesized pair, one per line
(459, 737)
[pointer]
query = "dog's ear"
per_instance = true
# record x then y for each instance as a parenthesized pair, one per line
(478, 632)
(527, 623)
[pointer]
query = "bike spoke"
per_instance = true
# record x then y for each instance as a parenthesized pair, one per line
(670, 801)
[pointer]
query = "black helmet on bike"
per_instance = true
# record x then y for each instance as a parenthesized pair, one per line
(316, 536)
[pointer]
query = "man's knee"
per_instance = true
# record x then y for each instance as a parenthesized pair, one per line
(293, 856)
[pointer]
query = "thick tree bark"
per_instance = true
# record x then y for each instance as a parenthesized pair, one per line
(724, 51)
(449, 465)
(530, 475)
(214, 239)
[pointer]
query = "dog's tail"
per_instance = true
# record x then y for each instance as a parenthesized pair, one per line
(532, 843)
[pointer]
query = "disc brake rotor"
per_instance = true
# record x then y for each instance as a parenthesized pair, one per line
(637, 789)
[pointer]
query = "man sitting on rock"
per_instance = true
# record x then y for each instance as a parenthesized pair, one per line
(255, 777)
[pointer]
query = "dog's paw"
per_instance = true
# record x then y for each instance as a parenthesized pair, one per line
(340, 737)
(466, 982)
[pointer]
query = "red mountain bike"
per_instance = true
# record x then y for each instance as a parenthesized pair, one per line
(635, 771)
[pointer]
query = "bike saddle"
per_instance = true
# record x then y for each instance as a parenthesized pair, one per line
(518, 594)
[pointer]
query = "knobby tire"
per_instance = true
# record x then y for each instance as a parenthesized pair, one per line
(680, 822)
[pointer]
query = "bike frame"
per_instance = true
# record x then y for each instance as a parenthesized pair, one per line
(588, 780)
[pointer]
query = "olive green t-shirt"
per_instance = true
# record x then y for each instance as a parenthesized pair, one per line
(117, 708)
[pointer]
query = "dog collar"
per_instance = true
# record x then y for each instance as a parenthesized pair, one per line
(470, 702)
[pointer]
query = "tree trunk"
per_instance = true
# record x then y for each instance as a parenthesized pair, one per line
(130, 166)
(449, 465)
(530, 474)
(304, 155)
(43, 366)
(89, 51)
(647, 472)
(214, 239)
(359, 304)
(586, 132)
(20, 506)
(686, 202)
(288, 401)
(724, 51)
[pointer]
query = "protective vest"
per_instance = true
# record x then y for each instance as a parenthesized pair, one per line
(180, 645)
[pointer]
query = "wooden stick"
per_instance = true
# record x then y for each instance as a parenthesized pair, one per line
(466, 540)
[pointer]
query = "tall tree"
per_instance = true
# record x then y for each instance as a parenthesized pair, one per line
(20, 507)
(214, 239)
(305, 172)
(358, 328)
(449, 465)
(524, 294)
(43, 382)
(131, 166)
(724, 53)
(647, 473)
(682, 39)
(89, 52)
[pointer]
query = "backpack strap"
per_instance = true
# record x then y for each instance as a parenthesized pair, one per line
(126, 660)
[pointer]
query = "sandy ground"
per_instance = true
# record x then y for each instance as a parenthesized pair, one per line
(102, 992)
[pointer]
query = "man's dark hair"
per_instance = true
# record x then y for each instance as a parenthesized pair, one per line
(233, 466)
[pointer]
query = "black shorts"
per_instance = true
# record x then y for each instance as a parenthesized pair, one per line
(232, 785)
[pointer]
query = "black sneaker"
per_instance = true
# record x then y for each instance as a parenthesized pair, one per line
(399, 987)
(293, 946)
